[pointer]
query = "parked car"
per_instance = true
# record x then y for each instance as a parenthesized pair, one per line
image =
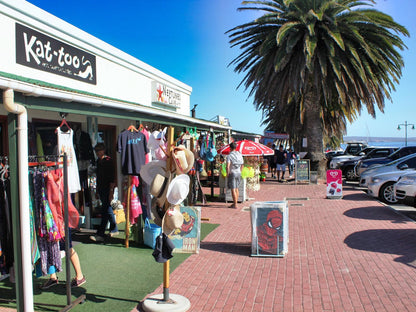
(363, 165)
(353, 147)
(399, 165)
(405, 189)
(382, 185)
(348, 166)
(334, 163)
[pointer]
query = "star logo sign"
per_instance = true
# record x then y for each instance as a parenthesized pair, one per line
(160, 93)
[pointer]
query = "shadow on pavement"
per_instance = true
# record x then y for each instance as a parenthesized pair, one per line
(374, 213)
(358, 196)
(243, 249)
(396, 242)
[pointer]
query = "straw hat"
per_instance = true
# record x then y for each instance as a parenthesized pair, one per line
(159, 185)
(148, 171)
(178, 189)
(172, 220)
(184, 159)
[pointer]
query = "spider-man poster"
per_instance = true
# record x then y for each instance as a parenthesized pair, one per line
(187, 238)
(269, 228)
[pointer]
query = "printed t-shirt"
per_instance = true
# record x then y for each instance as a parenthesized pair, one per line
(133, 149)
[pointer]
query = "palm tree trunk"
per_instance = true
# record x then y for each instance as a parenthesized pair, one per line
(314, 133)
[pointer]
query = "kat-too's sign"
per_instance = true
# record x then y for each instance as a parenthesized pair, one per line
(39, 51)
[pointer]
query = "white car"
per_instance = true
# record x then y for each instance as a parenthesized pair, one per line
(399, 165)
(382, 185)
(335, 161)
(405, 188)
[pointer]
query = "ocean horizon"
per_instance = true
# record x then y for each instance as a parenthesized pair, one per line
(380, 141)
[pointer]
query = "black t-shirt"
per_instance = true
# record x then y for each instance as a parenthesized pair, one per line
(133, 149)
(105, 173)
(280, 157)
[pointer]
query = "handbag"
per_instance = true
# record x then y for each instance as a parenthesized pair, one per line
(150, 232)
(120, 216)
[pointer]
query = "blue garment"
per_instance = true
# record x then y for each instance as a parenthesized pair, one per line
(133, 149)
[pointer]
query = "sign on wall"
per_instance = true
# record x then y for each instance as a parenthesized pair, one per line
(162, 94)
(39, 51)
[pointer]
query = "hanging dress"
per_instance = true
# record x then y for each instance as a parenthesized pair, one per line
(50, 256)
(66, 145)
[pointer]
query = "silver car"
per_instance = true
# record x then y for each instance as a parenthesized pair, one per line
(382, 185)
(400, 165)
(405, 188)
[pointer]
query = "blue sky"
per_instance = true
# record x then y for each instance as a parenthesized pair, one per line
(186, 40)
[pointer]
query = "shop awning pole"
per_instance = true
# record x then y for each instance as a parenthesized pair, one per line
(25, 244)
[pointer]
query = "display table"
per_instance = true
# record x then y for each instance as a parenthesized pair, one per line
(242, 189)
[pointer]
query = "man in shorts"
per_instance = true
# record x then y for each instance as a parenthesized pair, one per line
(234, 165)
(280, 163)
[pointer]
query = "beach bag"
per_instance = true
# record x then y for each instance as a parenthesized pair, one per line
(203, 149)
(200, 165)
(211, 152)
(150, 232)
(135, 205)
(120, 215)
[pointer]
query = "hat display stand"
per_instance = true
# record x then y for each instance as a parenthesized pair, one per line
(166, 301)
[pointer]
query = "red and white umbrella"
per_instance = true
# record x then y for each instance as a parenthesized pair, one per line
(248, 148)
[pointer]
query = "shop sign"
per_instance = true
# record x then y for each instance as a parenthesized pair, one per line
(39, 51)
(302, 172)
(162, 94)
(269, 229)
(334, 184)
(277, 136)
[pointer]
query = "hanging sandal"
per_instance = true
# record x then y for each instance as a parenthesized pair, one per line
(49, 283)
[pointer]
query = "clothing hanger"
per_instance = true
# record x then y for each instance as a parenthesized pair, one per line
(64, 123)
(132, 128)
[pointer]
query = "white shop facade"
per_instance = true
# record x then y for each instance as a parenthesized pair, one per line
(51, 70)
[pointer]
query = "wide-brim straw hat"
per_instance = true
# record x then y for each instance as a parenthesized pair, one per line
(160, 184)
(183, 158)
(178, 189)
(172, 219)
(148, 171)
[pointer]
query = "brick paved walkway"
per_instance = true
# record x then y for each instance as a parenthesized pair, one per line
(351, 254)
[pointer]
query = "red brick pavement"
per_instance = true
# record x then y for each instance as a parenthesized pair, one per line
(350, 254)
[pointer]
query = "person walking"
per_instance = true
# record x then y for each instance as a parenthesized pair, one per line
(291, 157)
(105, 189)
(79, 278)
(272, 162)
(281, 156)
(234, 165)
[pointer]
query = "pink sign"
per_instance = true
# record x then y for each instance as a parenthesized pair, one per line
(334, 184)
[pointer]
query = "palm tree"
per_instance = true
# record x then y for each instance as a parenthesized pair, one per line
(323, 56)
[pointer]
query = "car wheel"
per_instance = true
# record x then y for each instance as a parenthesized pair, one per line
(387, 193)
(350, 174)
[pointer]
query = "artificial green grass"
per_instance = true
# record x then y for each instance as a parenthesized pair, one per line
(118, 278)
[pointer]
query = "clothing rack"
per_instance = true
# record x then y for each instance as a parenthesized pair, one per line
(53, 160)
